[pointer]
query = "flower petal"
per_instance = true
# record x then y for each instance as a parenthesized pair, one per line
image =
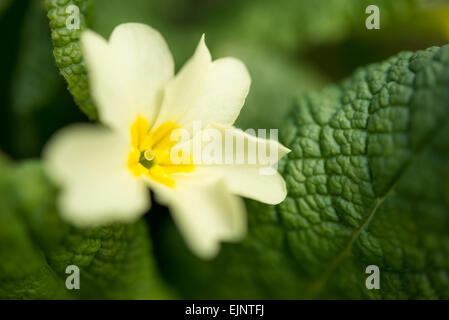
(205, 212)
(223, 96)
(210, 147)
(250, 182)
(127, 74)
(247, 165)
(259, 180)
(89, 162)
(183, 90)
(273, 150)
(96, 203)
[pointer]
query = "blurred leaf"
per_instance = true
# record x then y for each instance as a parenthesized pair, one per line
(275, 81)
(110, 13)
(4, 163)
(24, 272)
(35, 79)
(115, 261)
(287, 24)
(367, 183)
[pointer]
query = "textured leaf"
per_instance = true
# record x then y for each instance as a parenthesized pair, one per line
(67, 50)
(367, 184)
(37, 246)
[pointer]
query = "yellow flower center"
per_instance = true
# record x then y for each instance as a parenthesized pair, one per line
(150, 152)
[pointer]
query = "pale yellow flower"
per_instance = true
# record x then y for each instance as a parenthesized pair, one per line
(104, 171)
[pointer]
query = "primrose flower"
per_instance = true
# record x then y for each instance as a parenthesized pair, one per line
(105, 170)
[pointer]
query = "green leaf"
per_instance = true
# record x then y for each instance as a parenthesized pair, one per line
(24, 272)
(37, 246)
(368, 184)
(67, 50)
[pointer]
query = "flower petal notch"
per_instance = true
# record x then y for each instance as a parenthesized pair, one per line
(172, 134)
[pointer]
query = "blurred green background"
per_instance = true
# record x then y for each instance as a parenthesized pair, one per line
(289, 46)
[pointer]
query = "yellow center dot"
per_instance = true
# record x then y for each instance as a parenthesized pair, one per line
(149, 155)
(150, 152)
